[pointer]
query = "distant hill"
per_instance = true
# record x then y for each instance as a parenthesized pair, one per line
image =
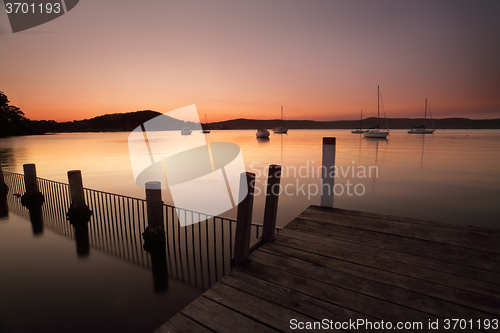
(117, 122)
(393, 123)
(126, 122)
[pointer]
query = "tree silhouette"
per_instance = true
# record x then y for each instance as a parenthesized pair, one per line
(12, 119)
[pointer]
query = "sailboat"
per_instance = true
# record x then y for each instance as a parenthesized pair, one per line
(360, 130)
(281, 129)
(205, 130)
(375, 132)
(422, 129)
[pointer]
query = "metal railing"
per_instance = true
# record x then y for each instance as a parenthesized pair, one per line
(198, 254)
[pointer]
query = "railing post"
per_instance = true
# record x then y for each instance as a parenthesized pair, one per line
(244, 221)
(154, 235)
(32, 198)
(327, 172)
(271, 208)
(79, 213)
(30, 182)
(4, 189)
(154, 204)
(76, 187)
(2, 180)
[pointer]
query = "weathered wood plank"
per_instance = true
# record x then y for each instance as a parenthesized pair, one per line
(302, 303)
(270, 314)
(468, 239)
(397, 254)
(424, 274)
(370, 306)
(485, 260)
(303, 263)
(181, 324)
(471, 266)
(408, 219)
(345, 265)
(220, 318)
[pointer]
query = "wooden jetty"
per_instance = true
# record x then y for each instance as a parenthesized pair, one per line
(346, 266)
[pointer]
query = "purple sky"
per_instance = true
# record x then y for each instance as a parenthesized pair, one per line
(320, 59)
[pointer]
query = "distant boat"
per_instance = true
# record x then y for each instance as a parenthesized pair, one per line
(262, 133)
(375, 132)
(422, 129)
(186, 131)
(281, 129)
(360, 130)
(205, 130)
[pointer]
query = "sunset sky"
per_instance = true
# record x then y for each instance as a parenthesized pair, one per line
(320, 59)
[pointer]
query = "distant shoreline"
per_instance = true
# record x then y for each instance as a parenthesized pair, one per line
(126, 122)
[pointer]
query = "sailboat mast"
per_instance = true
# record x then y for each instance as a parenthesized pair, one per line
(378, 104)
(425, 112)
(361, 121)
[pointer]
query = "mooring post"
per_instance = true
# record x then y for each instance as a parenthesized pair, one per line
(271, 208)
(30, 182)
(154, 204)
(76, 187)
(32, 198)
(244, 221)
(4, 207)
(2, 180)
(327, 172)
(79, 213)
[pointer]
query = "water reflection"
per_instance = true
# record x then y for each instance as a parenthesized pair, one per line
(36, 219)
(198, 254)
(7, 156)
(81, 232)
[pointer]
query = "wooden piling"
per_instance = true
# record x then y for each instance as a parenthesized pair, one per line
(154, 204)
(4, 207)
(244, 221)
(2, 181)
(76, 187)
(327, 172)
(271, 208)
(30, 182)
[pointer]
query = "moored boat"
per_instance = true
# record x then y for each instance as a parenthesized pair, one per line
(376, 132)
(262, 133)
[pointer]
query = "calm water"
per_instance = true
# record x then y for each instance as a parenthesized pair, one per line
(452, 176)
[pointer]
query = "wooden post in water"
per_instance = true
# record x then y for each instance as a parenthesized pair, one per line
(244, 221)
(271, 208)
(4, 207)
(76, 187)
(154, 204)
(2, 181)
(79, 213)
(327, 172)
(30, 182)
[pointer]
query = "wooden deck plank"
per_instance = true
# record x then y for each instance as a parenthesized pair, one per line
(469, 266)
(409, 294)
(405, 219)
(457, 237)
(222, 319)
(458, 273)
(484, 260)
(442, 280)
(181, 324)
(302, 303)
(369, 306)
(270, 314)
(346, 265)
